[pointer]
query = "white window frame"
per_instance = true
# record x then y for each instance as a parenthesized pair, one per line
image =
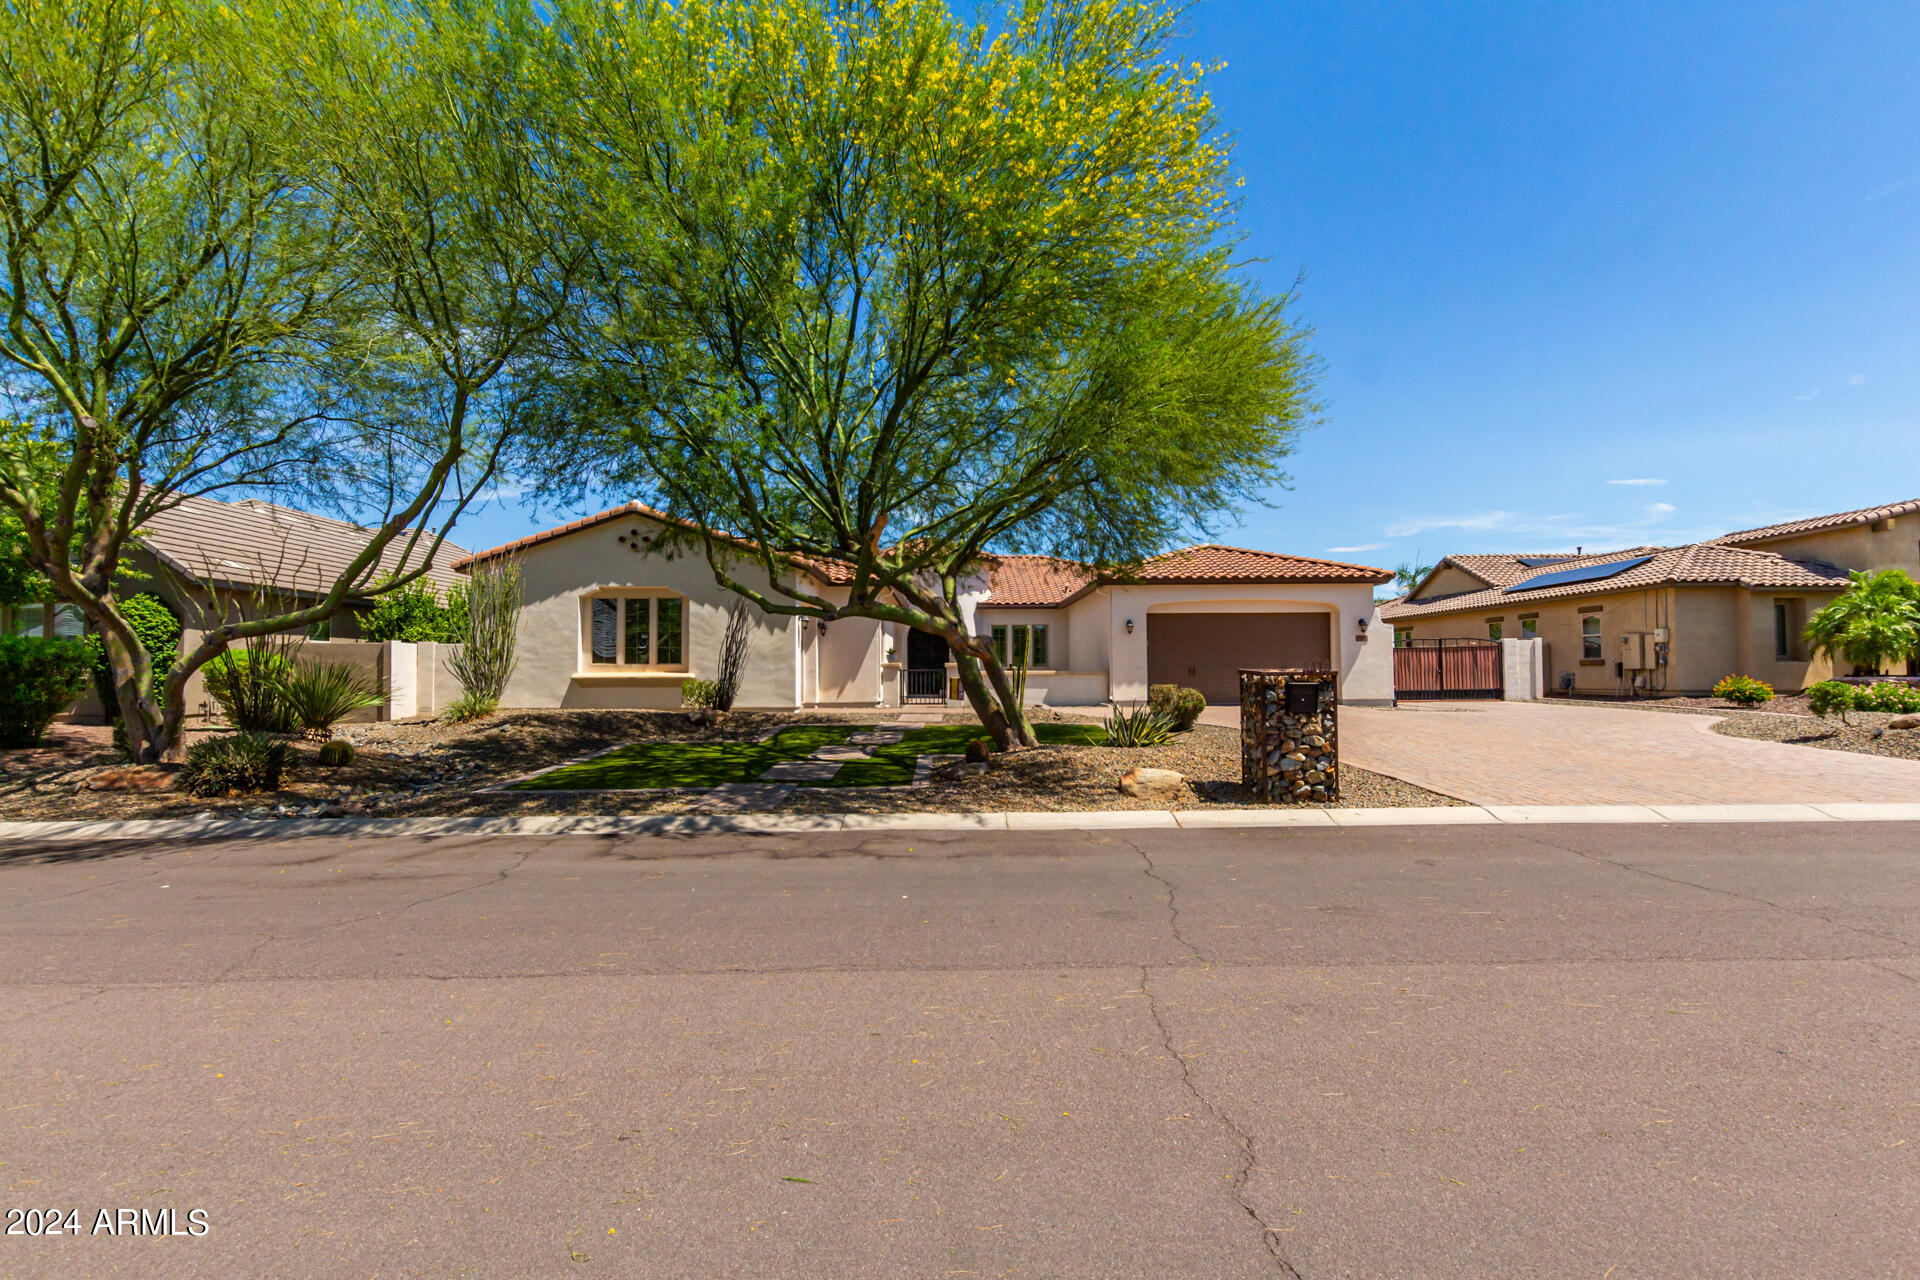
(1592, 647)
(625, 598)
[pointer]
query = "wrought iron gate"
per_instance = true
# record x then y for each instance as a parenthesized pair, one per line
(1433, 670)
(924, 685)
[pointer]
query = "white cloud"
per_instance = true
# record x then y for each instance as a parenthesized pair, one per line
(1811, 395)
(1365, 546)
(1640, 480)
(1547, 531)
(1856, 379)
(1899, 184)
(1477, 523)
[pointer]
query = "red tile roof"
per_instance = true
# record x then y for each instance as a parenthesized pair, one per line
(824, 570)
(1814, 524)
(1034, 582)
(1697, 564)
(1047, 582)
(1028, 581)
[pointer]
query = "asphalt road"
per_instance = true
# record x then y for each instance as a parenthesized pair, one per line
(1479, 1051)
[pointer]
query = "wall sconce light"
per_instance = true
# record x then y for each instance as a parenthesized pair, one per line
(1362, 634)
(1129, 626)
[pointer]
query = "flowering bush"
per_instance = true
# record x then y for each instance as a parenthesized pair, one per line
(1898, 699)
(1744, 690)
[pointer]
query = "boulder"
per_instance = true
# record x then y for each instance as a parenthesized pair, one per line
(1904, 722)
(1152, 782)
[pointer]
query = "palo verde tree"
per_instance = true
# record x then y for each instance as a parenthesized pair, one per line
(877, 288)
(223, 274)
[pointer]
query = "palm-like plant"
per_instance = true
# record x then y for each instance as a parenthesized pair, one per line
(1875, 621)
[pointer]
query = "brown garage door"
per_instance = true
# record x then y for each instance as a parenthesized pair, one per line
(1206, 651)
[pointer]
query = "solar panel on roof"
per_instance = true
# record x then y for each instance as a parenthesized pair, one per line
(1585, 573)
(1534, 562)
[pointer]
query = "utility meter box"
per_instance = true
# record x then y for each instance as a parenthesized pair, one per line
(1633, 651)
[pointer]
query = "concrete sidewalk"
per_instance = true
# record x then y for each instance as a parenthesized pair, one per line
(687, 824)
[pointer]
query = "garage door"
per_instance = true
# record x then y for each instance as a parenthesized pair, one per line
(1206, 651)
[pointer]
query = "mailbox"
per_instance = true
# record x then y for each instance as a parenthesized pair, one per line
(1303, 697)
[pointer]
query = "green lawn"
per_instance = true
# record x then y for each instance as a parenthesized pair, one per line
(893, 766)
(689, 764)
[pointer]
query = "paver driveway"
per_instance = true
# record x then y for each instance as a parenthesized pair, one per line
(1547, 753)
(1535, 753)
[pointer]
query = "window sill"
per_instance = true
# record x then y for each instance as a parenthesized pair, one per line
(1593, 662)
(631, 679)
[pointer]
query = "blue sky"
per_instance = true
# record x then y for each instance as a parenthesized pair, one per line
(1586, 275)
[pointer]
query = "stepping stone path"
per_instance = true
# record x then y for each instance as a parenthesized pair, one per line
(826, 761)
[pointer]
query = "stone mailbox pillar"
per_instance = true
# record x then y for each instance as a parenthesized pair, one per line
(1289, 736)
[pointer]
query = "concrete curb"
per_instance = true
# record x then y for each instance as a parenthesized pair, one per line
(691, 824)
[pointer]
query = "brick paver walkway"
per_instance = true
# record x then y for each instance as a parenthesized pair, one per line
(1535, 753)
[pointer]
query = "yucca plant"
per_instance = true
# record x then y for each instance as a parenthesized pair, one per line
(1139, 726)
(318, 695)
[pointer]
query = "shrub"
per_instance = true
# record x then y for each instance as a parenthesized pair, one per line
(39, 678)
(413, 614)
(1180, 705)
(233, 765)
(317, 695)
(1137, 727)
(249, 684)
(1874, 622)
(1897, 699)
(1744, 690)
(159, 632)
(699, 693)
(979, 751)
(471, 706)
(1829, 696)
(336, 753)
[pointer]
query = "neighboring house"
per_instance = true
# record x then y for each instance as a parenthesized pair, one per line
(615, 616)
(1667, 619)
(209, 559)
(206, 557)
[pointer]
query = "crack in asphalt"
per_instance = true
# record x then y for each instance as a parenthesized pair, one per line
(1735, 894)
(498, 879)
(1249, 1160)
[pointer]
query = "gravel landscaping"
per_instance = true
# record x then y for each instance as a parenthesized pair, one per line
(439, 769)
(1787, 719)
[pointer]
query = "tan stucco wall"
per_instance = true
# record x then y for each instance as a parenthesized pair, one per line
(552, 670)
(1713, 632)
(1896, 546)
(1450, 581)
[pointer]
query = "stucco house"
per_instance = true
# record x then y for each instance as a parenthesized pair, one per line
(615, 615)
(1667, 619)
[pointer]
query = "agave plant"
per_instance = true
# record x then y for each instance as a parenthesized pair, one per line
(317, 695)
(1139, 726)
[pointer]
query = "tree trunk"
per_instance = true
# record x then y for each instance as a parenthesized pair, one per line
(1019, 728)
(982, 698)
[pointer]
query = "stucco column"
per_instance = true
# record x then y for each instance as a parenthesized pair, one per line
(1743, 649)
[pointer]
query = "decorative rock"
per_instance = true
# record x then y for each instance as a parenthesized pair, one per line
(1288, 736)
(1904, 722)
(1144, 781)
